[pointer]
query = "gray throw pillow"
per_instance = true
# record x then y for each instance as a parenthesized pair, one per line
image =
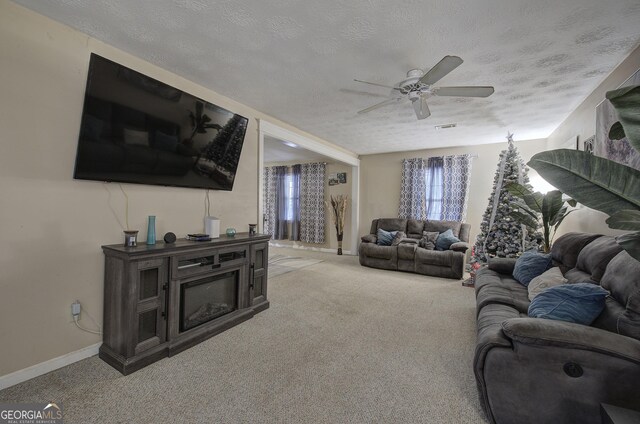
(428, 240)
(550, 278)
(398, 238)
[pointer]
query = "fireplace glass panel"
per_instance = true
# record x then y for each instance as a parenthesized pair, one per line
(148, 283)
(207, 299)
(147, 325)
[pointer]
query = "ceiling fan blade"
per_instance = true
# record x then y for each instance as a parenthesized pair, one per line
(442, 68)
(377, 105)
(364, 93)
(476, 91)
(421, 108)
(375, 83)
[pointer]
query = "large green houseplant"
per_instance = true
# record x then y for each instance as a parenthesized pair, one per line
(600, 183)
(535, 210)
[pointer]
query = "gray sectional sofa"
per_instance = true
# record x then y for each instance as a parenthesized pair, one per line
(533, 370)
(408, 256)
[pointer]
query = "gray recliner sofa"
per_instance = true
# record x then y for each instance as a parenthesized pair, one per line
(408, 256)
(534, 370)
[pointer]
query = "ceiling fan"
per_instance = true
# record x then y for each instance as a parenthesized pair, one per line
(418, 87)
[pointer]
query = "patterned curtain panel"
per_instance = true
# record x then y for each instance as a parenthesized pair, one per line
(312, 209)
(280, 229)
(269, 200)
(413, 189)
(457, 173)
(295, 202)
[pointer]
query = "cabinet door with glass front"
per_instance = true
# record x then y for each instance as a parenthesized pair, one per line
(150, 323)
(258, 284)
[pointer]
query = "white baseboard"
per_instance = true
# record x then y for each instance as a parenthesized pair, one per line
(47, 366)
(315, 249)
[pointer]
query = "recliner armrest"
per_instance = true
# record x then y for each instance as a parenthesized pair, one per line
(502, 265)
(459, 246)
(369, 238)
(546, 332)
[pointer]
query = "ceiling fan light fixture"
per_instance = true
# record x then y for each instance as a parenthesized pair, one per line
(445, 126)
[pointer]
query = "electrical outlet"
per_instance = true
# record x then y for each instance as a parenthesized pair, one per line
(75, 309)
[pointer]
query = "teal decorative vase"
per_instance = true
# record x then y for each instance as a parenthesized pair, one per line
(231, 232)
(151, 230)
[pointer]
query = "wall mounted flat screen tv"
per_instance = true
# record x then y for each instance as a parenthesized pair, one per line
(136, 129)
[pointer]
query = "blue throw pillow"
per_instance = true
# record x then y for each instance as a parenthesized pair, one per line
(445, 240)
(580, 303)
(385, 237)
(530, 265)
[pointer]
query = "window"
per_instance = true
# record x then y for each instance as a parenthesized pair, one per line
(434, 183)
(289, 196)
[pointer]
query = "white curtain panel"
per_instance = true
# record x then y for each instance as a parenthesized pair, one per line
(413, 190)
(312, 207)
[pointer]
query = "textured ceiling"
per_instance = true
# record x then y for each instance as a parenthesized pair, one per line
(291, 58)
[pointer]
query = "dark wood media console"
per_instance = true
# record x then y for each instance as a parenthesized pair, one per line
(161, 299)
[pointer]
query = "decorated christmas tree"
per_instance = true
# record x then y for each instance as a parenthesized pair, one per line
(499, 234)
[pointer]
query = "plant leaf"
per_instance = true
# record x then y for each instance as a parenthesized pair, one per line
(517, 189)
(525, 219)
(625, 220)
(562, 219)
(627, 103)
(518, 205)
(595, 182)
(631, 243)
(561, 213)
(532, 199)
(551, 205)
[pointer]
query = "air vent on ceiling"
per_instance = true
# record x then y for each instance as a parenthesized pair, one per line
(445, 126)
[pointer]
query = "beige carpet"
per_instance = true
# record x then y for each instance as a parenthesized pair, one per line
(282, 264)
(340, 344)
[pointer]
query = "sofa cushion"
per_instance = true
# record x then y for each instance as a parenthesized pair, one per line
(380, 252)
(493, 288)
(398, 237)
(406, 251)
(390, 224)
(565, 249)
(415, 227)
(550, 278)
(433, 257)
(385, 237)
(442, 226)
(530, 265)
(593, 260)
(580, 303)
(623, 306)
(445, 240)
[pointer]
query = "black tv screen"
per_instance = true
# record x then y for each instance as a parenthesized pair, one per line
(136, 129)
